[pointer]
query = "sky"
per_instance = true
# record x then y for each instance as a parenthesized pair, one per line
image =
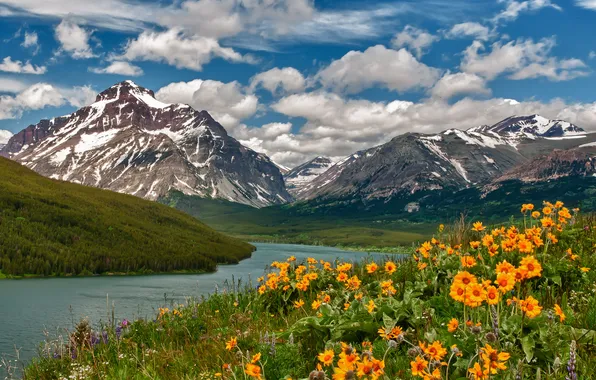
(296, 79)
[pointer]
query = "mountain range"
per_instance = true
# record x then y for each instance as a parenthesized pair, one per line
(129, 142)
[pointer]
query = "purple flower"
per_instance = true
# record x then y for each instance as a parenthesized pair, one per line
(95, 340)
(125, 322)
(118, 332)
(104, 337)
(56, 355)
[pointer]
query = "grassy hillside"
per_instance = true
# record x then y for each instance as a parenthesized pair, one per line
(476, 302)
(49, 227)
(350, 223)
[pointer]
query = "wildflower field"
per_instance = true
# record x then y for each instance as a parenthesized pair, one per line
(514, 301)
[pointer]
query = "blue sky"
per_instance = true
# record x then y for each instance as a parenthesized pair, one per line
(300, 78)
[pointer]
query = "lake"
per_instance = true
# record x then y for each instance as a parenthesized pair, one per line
(31, 306)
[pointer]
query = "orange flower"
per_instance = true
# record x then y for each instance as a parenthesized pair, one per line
(527, 207)
(298, 304)
(504, 267)
(475, 295)
(316, 304)
(371, 268)
(253, 370)
(520, 274)
(493, 250)
(255, 358)
(326, 357)
(493, 360)
(525, 246)
(531, 266)
(342, 277)
(559, 312)
(421, 266)
(547, 210)
(434, 351)
(353, 283)
(371, 306)
(547, 222)
(390, 267)
(418, 366)
(453, 325)
(478, 373)
(474, 244)
(584, 269)
(477, 226)
(231, 344)
(458, 291)
(492, 295)
(505, 281)
(465, 278)
(531, 307)
(467, 261)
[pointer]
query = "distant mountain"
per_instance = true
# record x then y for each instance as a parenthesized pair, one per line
(129, 142)
(299, 179)
(4, 137)
(451, 160)
(282, 168)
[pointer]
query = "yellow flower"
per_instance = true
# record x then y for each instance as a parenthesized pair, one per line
(531, 307)
(298, 304)
(371, 306)
(231, 344)
(453, 325)
(371, 268)
(256, 357)
(434, 351)
(253, 370)
(492, 295)
(505, 281)
(584, 269)
(421, 266)
(559, 312)
(477, 226)
(493, 360)
(390, 267)
(326, 357)
(531, 266)
(316, 304)
(468, 261)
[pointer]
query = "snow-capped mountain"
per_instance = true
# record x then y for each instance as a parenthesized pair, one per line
(4, 137)
(451, 160)
(299, 179)
(129, 142)
(534, 125)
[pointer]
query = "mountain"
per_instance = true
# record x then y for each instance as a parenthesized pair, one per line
(451, 160)
(49, 227)
(129, 142)
(298, 180)
(4, 137)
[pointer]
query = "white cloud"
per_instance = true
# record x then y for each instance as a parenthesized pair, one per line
(592, 54)
(458, 84)
(42, 95)
(177, 49)
(286, 80)
(120, 68)
(19, 67)
(469, 30)
(588, 4)
(415, 39)
(11, 85)
(337, 127)
(74, 40)
(396, 70)
(31, 40)
(521, 59)
(226, 102)
(515, 8)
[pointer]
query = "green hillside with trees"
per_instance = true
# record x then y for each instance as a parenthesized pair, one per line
(53, 228)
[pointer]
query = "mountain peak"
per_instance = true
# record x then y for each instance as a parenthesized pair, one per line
(127, 91)
(532, 125)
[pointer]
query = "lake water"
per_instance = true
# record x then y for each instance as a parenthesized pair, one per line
(28, 307)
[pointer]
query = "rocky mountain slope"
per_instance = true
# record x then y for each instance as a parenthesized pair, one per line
(129, 142)
(299, 179)
(450, 160)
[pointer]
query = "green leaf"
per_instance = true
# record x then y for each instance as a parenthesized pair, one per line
(555, 279)
(528, 346)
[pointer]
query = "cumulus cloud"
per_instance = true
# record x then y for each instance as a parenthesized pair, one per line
(451, 85)
(469, 30)
(120, 68)
(521, 59)
(31, 41)
(286, 80)
(336, 126)
(587, 4)
(10, 66)
(176, 48)
(12, 86)
(228, 103)
(415, 39)
(514, 8)
(42, 95)
(592, 54)
(74, 40)
(396, 70)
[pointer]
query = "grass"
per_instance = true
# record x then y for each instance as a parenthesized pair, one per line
(322, 320)
(53, 228)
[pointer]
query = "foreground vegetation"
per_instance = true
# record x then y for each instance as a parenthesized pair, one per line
(515, 301)
(378, 225)
(52, 228)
